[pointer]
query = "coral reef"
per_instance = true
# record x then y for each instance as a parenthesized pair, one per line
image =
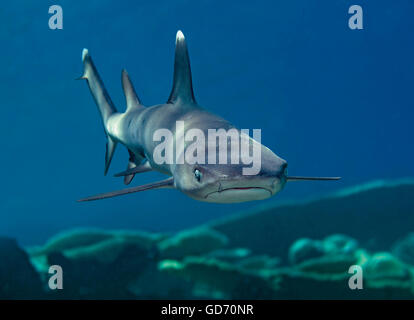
(213, 278)
(18, 278)
(404, 249)
(240, 258)
(192, 242)
(305, 249)
(125, 267)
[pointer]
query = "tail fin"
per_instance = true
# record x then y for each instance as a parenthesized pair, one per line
(103, 101)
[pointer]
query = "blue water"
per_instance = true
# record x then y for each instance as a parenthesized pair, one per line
(330, 100)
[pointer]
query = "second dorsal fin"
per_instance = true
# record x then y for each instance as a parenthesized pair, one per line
(182, 85)
(132, 100)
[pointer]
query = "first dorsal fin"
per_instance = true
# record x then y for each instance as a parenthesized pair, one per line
(182, 86)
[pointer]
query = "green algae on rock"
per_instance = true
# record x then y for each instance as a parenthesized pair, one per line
(193, 242)
(225, 279)
(404, 249)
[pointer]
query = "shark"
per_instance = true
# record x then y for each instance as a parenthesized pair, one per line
(134, 128)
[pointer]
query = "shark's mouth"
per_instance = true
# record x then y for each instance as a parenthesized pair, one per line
(238, 194)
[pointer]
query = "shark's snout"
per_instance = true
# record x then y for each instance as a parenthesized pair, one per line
(235, 192)
(282, 173)
(248, 188)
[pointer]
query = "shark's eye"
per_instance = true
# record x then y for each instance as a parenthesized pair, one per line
(197, 175)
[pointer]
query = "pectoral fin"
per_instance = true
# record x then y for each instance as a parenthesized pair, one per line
(297, 178)
(167, 183)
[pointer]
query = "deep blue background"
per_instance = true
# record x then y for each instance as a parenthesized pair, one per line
(330, 100)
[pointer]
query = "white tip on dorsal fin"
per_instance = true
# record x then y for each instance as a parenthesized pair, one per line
(131, 96)
(179, 36)
(182, 85)
(84, 54)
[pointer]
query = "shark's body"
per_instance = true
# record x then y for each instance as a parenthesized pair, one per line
(135, 129)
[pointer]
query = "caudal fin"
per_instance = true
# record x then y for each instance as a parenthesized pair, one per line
(105, 105)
